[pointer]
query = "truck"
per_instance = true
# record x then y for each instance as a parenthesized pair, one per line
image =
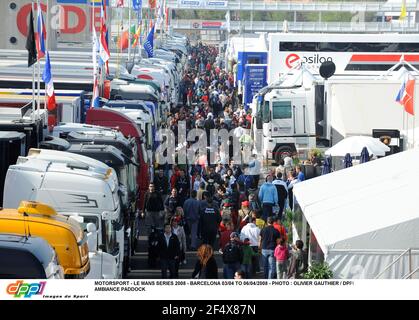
(21, 117)
(51, 176)
(28, 257)
(62, 233)
(114, 119)
(295, 119)
(287, 120)
(70, 104)
(12, 145)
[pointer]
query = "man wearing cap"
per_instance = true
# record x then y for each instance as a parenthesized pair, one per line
(244, 214)
(232, 256)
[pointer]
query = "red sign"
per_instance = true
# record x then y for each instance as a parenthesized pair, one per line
(212, 24)
(292, 60)
(64, 12)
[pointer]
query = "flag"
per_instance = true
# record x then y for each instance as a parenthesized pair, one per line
(49, 85)
(149, 43)
(137, 36)
(137, 5)
(30, 42)
(95, 51)
(41, 35)
(95, 95)
(152, 4)
(124, 38)
(120, 3)
(403, 11)
(405, 96)
(104, 53)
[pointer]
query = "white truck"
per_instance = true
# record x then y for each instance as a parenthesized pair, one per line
(286, 120)
(75, 186)
(289, 120)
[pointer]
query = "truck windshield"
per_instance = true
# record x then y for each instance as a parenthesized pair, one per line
(281, 110)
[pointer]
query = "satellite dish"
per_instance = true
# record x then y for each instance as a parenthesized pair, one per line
(327, 69)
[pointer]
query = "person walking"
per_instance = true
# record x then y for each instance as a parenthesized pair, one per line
(268, 196)
(171, 204)
(268, 237)
(206, 265)
(248, 258)
(153, 205)
(161, 184)
(180, 234)
(182, 187)
(252, 232)
(209, 222)
(281, 255)
(298, 265)
(191, 211)
(232, 256)
(282, 190)
(169, 251)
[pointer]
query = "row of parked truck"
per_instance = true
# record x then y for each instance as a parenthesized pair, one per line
(75, 179)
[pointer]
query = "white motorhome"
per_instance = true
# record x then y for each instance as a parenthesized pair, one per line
(71, 183)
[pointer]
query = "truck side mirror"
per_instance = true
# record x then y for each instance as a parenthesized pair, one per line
(92, 237)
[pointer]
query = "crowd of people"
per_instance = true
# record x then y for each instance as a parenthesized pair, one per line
(210, 208)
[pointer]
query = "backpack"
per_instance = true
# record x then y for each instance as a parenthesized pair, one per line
(231, 253)
(226, 214)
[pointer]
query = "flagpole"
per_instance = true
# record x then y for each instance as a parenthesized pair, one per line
(33, 78)
(129, 31)
(39, 10)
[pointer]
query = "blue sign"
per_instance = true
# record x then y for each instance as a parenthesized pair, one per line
(254, 79)
(245, 58)
(137, 4)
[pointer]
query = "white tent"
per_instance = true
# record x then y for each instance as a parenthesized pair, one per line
(354, 145)
(248, 42)
(365, 216)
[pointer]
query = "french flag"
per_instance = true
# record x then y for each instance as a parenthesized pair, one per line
(49, 85)
(40, 36)
(104, 53)
(405, 96)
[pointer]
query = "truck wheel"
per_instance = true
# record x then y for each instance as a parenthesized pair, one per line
(282, 152)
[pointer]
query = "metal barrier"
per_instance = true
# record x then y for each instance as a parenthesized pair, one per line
(411, 272)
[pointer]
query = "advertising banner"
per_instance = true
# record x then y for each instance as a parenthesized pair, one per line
(254, 80)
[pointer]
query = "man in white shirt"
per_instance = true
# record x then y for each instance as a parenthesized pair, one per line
(252, 232)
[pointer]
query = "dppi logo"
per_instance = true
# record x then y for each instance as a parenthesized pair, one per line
(27, 290)
(293, 59)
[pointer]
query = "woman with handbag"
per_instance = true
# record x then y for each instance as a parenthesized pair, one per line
(206, 266)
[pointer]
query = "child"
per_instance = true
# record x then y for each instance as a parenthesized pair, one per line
(248, 255)
(281, 255)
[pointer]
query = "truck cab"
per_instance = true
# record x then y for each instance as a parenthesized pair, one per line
(62, 233)
(128, 127)
(12, 145)
(21, 118)
(288, 120)
(71, 183)
(28, 257)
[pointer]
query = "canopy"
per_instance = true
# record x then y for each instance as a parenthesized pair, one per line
(365, 216)
(354, 145)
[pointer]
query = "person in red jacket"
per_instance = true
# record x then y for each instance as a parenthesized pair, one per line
(280, 227)
(225, 235)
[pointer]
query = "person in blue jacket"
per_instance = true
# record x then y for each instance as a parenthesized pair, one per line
(268, 197)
